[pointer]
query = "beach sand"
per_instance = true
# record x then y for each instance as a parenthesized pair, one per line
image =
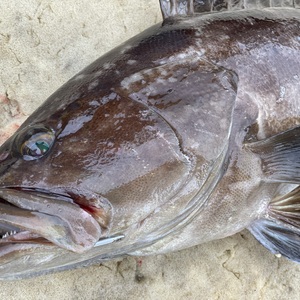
(44, 43)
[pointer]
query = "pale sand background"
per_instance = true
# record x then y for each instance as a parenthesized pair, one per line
(42, 44)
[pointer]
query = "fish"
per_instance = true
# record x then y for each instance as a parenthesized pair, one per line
(187, 133)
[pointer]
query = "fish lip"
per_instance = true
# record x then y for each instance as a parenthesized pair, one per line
(9, 233)
(36, 190)
(17, 200)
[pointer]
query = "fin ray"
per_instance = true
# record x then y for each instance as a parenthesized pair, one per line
(279, 230)
(280, 156)
(277, 238)
(173, 8)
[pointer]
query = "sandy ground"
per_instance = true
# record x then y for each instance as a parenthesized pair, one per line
(42, 44)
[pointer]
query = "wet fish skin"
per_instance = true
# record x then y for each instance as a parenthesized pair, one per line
(136, 84)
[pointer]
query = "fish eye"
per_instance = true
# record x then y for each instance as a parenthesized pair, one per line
(34, 142)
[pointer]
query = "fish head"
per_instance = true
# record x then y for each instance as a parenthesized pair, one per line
(128, 146)
(64, 165)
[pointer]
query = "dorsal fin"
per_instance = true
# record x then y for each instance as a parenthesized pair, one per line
(174, 8)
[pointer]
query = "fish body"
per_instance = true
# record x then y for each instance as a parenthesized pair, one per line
(184, 134)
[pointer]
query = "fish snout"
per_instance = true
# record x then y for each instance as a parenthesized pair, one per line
(6, 160)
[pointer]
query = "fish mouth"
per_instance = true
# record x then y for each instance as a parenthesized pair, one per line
(31, 216)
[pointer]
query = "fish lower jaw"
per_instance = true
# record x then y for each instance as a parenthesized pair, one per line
(19, 236)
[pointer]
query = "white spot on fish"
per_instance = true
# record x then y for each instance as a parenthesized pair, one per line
(191, 54)
(94, 103)
(172, 79)
(111, 96)
(242, 46)
(79, 77)
(98, 73)
(107, 66)
(93, 84)
(74, 125)
(127, 47)
(281, 95)
(164, 73)
(131, 62)
(282, 91)
(198, 33)
(223, 124)
(127, 81)
(119, 115)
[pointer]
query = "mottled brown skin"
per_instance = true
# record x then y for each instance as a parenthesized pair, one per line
(150, 137)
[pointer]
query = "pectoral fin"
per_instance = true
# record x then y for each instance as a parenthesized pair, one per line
(280, 156)
(279, 231)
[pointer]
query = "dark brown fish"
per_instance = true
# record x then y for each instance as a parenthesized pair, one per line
(186, 133)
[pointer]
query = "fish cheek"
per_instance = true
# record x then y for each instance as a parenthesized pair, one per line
(127, 153)
(113, 133)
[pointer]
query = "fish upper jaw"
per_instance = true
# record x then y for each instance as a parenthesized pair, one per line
(29, 216)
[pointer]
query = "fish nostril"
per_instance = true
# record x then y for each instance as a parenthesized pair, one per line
(4, 155)
(6, 160)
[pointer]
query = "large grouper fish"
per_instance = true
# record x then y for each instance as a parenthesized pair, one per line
(186, 133)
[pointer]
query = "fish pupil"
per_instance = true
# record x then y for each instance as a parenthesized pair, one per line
(37, 148)
(42, 146)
